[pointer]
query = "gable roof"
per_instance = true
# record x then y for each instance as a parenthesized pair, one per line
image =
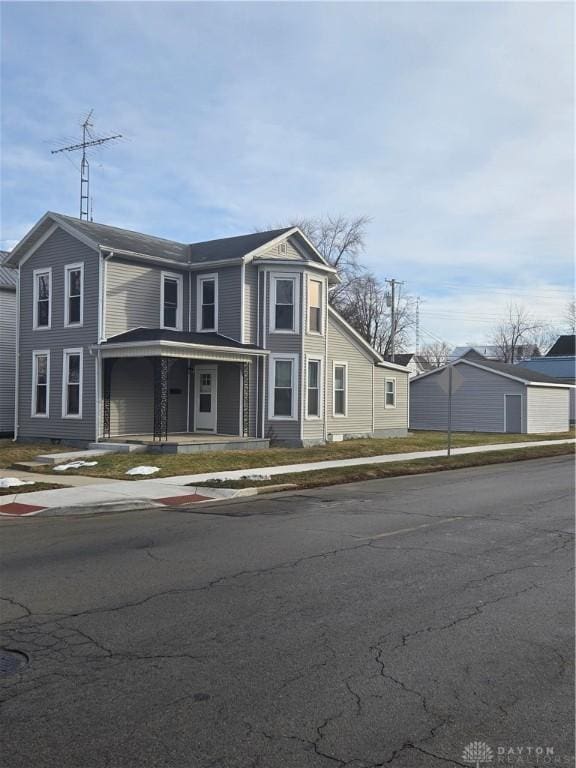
(564, 345)
(128, 242)
(524, 375)
(8, 275)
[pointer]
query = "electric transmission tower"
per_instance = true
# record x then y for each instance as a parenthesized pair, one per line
(87, 141)
(391, 301)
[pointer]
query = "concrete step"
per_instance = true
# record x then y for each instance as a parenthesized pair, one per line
(118, 447)
(65, 458)
(29, 466)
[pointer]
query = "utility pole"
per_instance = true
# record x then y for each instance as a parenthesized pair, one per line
(418, 325)
(392, 304)
(84, 166)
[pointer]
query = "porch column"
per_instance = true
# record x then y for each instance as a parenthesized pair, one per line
(245, 399)
(107, 364)
(160, 367)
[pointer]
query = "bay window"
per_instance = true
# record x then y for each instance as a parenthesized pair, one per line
(284, 303)
(313, 389)
(283, 385)
(315, 306)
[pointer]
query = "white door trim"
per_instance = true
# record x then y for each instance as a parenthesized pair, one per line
(213, 369)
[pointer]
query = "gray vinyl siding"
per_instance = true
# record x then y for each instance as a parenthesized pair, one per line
(477, 405)
(230, 302)
(548, 409)
(7, 358)
(228, 416)
(59, 250)
(342, 348)
(132, 397)
(315, 348)
(133, 294)
(281, 343)
(390, 418)
(274, 252)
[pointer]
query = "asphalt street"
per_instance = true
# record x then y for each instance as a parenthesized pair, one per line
(390, 622)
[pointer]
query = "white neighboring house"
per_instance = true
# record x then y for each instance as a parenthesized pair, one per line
(7, 345)
(490, 397)
(416, 364)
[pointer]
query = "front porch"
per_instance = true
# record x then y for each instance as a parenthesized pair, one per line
(179, 395)
(192, 442)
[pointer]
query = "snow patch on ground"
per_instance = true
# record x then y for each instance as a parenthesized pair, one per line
(143, 470)
(74, 465)
(14, 482)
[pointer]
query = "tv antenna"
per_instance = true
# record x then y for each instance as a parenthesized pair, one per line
(84, 166)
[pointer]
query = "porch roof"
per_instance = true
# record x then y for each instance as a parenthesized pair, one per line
(164, 342)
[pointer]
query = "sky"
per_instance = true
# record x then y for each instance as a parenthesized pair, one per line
(449, 124)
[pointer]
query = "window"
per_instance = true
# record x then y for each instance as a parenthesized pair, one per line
(284, 300)
(340, 387)
(283, 378)
(171, 300)
(42, 298)
(315, 306)
(390, 393)
(207, 303)
(313, 389)
(40, 383)
(74, 306)
(72, 383)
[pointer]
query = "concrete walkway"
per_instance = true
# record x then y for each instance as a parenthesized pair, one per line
(116, 494)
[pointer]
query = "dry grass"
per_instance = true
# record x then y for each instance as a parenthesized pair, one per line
(116, 465)
(11, 453)
(325, 477)
(29, 489)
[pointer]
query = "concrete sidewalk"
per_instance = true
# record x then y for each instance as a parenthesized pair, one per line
(116, 495)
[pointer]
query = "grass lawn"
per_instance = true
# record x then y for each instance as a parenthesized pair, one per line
(11, 452)
(115, 465)
(324, 477)
(29, 489)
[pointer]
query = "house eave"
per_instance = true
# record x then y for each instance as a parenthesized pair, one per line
(177, 349)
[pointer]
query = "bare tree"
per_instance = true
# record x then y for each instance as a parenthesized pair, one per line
(570, 317)
(436, 353)
(514, 331)
(364, 305)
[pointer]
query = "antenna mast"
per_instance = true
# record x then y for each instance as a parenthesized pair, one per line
(85, 166)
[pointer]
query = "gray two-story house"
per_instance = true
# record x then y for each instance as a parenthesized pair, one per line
(123, 336)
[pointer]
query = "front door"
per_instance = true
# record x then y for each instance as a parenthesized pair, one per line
(205, 381)
(513, 415)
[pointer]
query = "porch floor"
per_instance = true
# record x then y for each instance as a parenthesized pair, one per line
(193, 442)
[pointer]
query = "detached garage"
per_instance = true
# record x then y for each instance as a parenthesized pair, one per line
(489, 396)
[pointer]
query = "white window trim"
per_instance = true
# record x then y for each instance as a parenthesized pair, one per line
(322, 293)
(65, 355)
(313, 359)
(337, 364)
(295, 277)
(293, 358)
(67, 269)
(180, 299)
(199, 280)
(35, 355)
(386, 380)
(35, 274)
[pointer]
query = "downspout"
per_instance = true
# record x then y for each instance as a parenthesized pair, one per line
(102, 289)
(17, 377)
(257, 365)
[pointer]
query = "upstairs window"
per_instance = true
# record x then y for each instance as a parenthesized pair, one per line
(171, 311)
(40, 383)
(72, 384)
(315, 306)
(207, 298)
(283, 304)
(42, 298)
(74, 301)
(340, 389)
(390, 393)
